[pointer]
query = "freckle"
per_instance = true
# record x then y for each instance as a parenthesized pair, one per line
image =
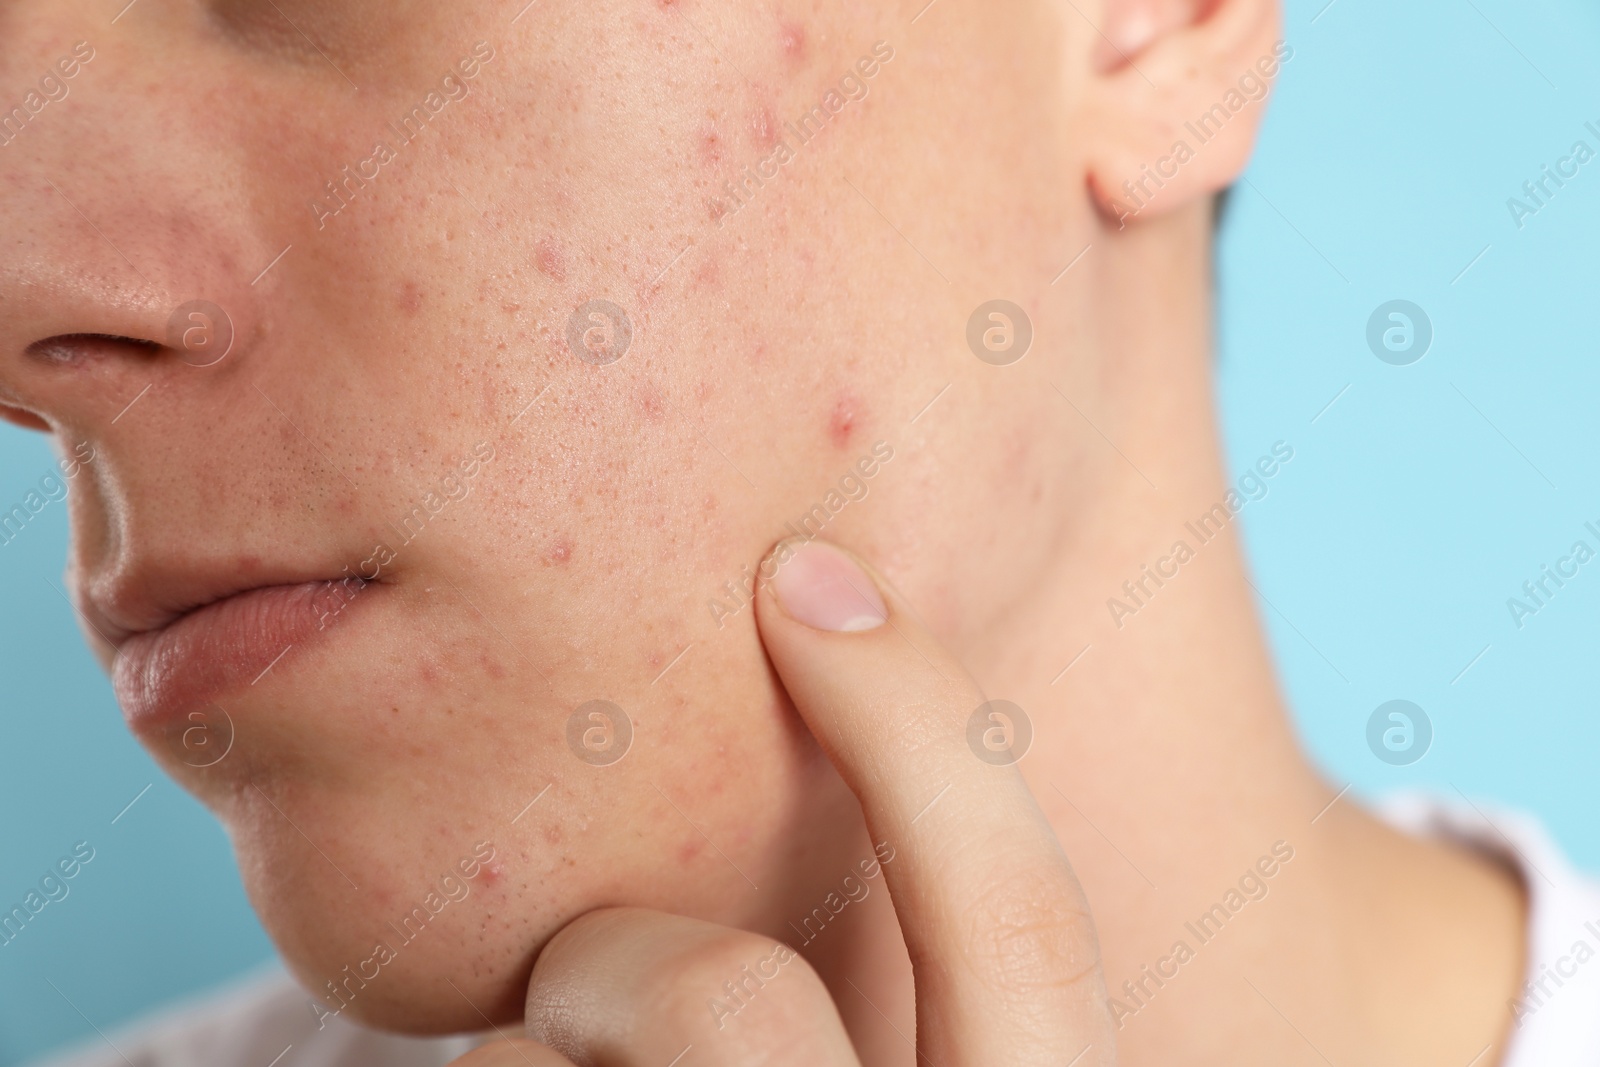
(793, 37)
(549, 259)
(842, 422)
(558, 553)
(410, 298)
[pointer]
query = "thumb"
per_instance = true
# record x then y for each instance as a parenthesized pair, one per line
(1004, 951)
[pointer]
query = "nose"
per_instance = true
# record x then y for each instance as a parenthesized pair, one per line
(121, 270)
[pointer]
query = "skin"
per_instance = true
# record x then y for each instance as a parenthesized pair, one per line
(772, 346)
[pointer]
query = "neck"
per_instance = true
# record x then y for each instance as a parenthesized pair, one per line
(1164, 756)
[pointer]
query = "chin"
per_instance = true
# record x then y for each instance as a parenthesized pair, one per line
(413, 823)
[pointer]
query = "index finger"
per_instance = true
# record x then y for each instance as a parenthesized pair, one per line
(1004, 950)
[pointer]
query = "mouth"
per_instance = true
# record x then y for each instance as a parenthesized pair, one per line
(223, 648)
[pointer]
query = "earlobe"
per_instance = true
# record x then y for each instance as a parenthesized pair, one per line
(1174, 120)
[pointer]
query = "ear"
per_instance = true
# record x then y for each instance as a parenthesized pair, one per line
(1177, 93)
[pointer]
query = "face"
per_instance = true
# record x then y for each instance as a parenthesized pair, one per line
(444, 371)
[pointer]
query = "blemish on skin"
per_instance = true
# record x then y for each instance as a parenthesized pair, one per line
(690, 850)
(488, 876)
(550, 259)
(552, 834)
(764, 128)
(710, 145)
(792, 36)
(651, 405)
(559, 553)
(842, 421)
(492, 666)
(706, 276)
(410, 297)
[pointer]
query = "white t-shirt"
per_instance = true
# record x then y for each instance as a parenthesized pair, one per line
(266, 1021)
(1557, 1023)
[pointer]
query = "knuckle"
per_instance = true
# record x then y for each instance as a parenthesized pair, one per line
(1030, 931)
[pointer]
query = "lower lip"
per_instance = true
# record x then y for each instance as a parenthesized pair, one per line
(219, 649)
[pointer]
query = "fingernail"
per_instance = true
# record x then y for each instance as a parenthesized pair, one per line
(823, 588)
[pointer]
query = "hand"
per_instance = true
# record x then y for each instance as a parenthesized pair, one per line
(1003, 948)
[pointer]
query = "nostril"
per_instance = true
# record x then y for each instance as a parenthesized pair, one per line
(23, 418)
(75, 347)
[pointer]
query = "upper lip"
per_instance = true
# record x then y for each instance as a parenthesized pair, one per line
(143, 598)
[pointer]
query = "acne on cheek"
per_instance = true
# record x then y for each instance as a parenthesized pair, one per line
(559, 553)
(410, 298)
(707, 275)
(550, 259)
(792, 38)
(842, 420)
(764, 128)
(710, 145)
(650, 404)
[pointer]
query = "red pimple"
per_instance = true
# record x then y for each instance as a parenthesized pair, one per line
(842, 422)
(792, 35)
(549, 259)
(559, 552)
(651, 405)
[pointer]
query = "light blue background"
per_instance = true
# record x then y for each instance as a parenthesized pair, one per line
(1414, 507)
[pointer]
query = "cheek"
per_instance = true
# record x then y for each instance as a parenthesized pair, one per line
(843, 419)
